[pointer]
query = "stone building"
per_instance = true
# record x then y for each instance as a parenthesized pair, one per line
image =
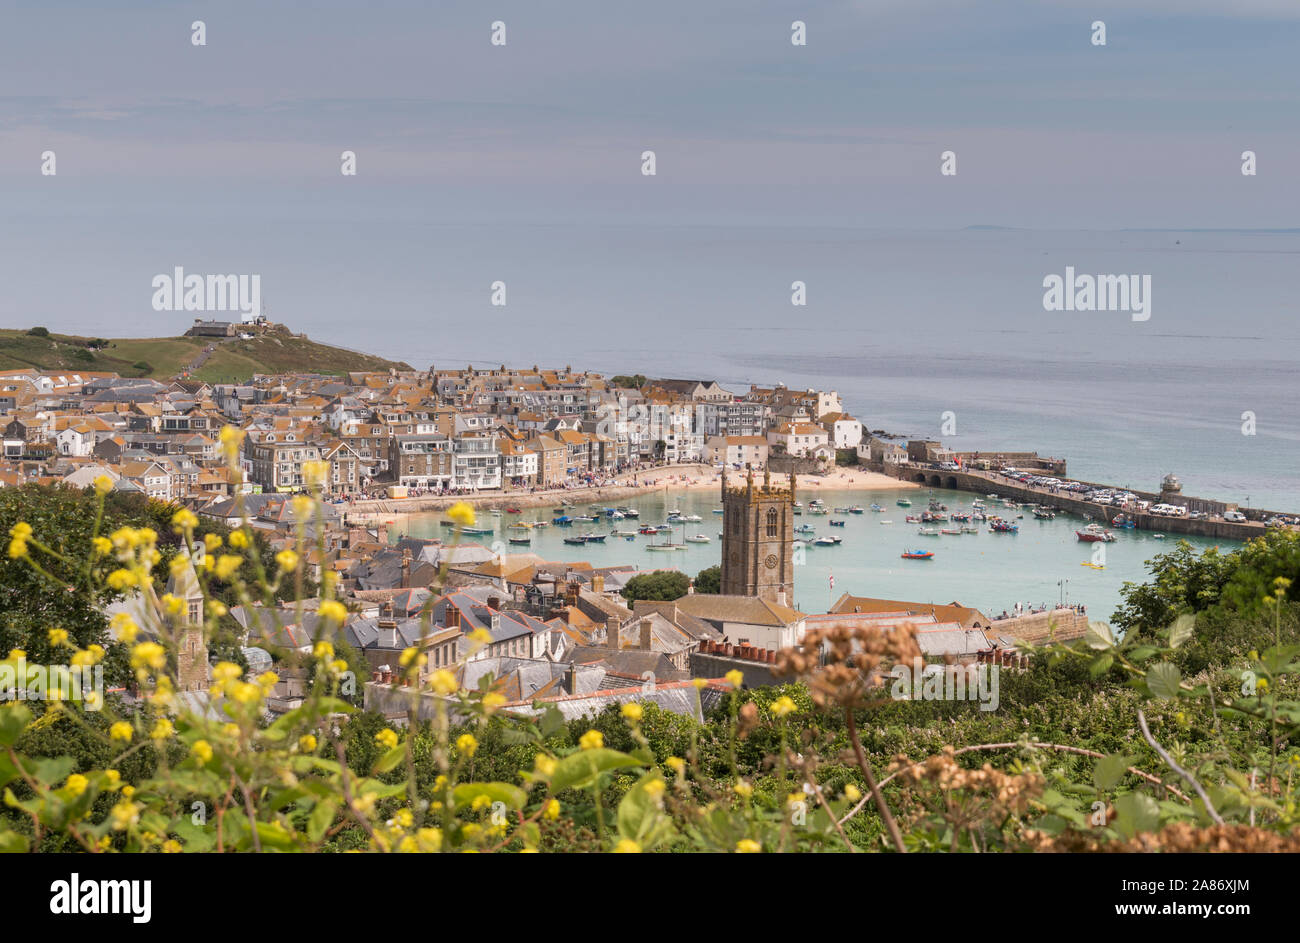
(758, 538)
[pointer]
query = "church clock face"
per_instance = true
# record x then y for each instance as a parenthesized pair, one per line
(770, 561)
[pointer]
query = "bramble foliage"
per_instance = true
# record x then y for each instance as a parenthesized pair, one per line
(1175, 734)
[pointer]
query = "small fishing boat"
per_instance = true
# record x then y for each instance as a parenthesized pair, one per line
(1094, 533)
(1093, 566)
(663, 547)
(1045, 514)
(478, 531)
(698, 539)
(886, 522)
(805, 529)
(495, 512)
(914, 518)
(877, 508)
(837, 523)
(1157, 536)
(928, 531)
(562, 521)
(651, 530)
(692, 518)
(622, 533)
(594, 538)
(615, 515)
(969, 529)
(825, 542)
(1004, 527)
(918, 555)
(950, 530)
(820, 510)
(511, 510)
(575, 541)
(857, 509)
(521, 541)
(717, 510)
(904, 502)
(632, 513)
(841, 510)
(584, 519)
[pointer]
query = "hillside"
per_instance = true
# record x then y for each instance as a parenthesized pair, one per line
(277, 351)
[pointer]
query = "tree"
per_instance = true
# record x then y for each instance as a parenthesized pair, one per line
(709, 580)
(39, 332)
(664, 586)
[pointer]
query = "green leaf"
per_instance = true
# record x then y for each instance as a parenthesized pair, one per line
(13, 721)
(512, 796)
(641, 817)
(1163, 680)
(12, 843)
(1109, 770)
(197, 838)
(322, 816)
(582, 769)
(1101, 664)
(1099, 636)
(390, 759)
(1136, 812)
(1182, 630)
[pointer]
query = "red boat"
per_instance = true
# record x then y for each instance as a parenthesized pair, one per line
(513, 511)
(1093, 533)
(918, 555)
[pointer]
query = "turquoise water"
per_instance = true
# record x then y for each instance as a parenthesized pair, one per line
(986, 570)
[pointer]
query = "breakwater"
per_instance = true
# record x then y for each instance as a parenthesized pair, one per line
(982, 483)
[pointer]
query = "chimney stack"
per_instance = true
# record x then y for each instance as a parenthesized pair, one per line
(613, 638)
(451, 617)
(647, 633)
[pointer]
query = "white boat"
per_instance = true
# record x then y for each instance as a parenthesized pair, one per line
(928, 531)
(692, 518)
(698, 539)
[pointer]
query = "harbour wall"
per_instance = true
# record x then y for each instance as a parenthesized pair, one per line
(989, 483)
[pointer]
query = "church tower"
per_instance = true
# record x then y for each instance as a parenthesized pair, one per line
(192, 672)
(758, 538)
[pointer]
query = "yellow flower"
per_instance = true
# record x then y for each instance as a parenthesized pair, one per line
(552, 809)
(121, 731)
(676, 764)
(288, 560)
(743, 789)
(1262, 685)
(592, 740)
(655, 788)
(162, 729)
(150, 655)
(113, 777)
(216, 608)
(314, 472)
(124, 815)
(627, 847)
(102, 546)
(268, 680)
(184, 520)
(17, 548)
(480, 636)
(333, 610)
(462, 514)
(386, 738)
(492, 700)
(632, 712)
(226, 671)
(747, 846)
(119, 580)
(238, 539)
(302, 508)
(407, 656)
(852, 793)
(700, 683)
(230, 730)
(323, 649)
(545, 765)
(211, 542)
(171, 847)
(227, 566)
(443, 682)
(735, 678)
(242, 692)
(467, 744)
(307, 743)
(202, 750)
(58, 636)
(172, 604)
(429, 839)
(782, 706)
(76, 784)
(103, 484)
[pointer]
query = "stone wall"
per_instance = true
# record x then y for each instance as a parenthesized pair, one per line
(1037, 628)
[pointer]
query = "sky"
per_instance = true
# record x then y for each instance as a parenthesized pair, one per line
(523, 161)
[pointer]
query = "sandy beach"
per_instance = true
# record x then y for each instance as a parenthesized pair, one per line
(674, 478)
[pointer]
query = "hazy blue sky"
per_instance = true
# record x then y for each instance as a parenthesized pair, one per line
(477, 162)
